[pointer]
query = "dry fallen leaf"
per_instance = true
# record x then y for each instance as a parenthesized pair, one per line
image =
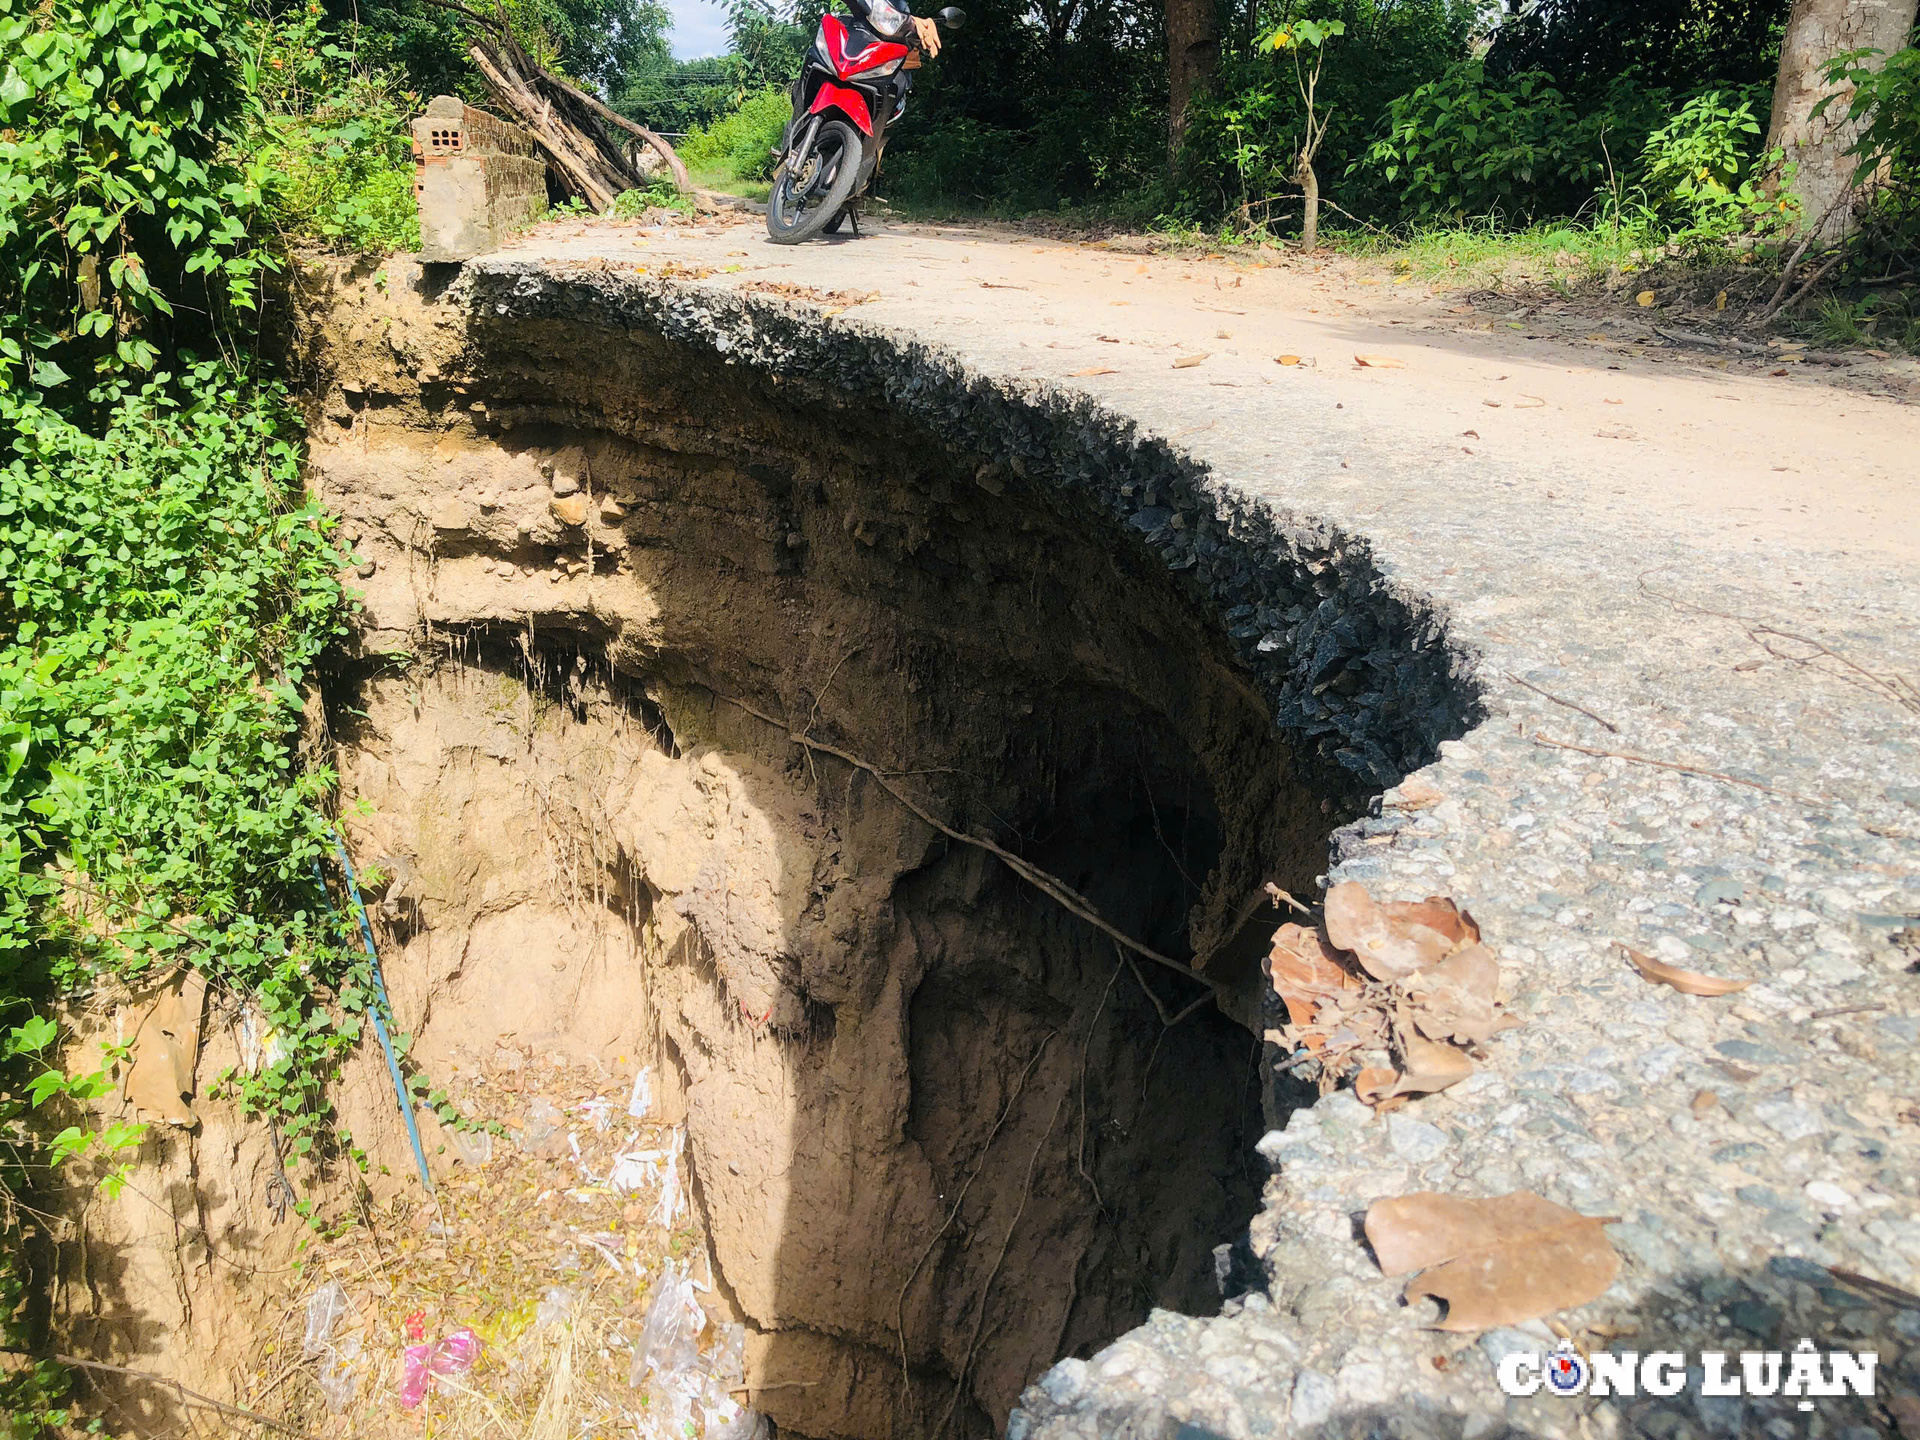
(1306, 972)
(1431, 1067)
(1287, 359)
(1396, 939)
(1458, 999)
(165, 1050)
(1687, 982)
(1503, 1261)
(1379, 362)
(1187, 362)
(1416, 793)
(1096, 370)
(1644, 299)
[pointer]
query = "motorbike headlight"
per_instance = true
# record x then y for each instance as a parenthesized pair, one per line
(882, 71)
(886, 19)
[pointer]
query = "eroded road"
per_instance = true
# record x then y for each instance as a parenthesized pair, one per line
(1618, 546)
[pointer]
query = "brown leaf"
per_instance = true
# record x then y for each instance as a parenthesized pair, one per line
(1687, 982)
(1306, 972)
(1430, 1069)
(1394, 940)
(165, 1050)
(1379, 362)
(1374, 1084)
(1456, 999)
(1096, 370)
(1187, 362)
(1503, 1261)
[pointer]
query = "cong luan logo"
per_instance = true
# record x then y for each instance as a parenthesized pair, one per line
(1805, 1374)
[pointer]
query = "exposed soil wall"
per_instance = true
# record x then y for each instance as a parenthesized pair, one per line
(917, 1090)
(676, 679)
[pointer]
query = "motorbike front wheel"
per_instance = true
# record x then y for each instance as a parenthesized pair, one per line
(807, 197)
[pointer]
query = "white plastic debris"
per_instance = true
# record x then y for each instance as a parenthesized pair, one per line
(668, 1349)
(641, 1101)
(672, 1199)
(325, 1309)
(599, 1111)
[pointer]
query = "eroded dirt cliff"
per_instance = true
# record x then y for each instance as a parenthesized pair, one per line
(663, 670)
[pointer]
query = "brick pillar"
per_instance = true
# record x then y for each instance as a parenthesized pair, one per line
(476, 179)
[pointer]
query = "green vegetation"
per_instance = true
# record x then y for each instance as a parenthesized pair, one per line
(165, 588)
(739, 146)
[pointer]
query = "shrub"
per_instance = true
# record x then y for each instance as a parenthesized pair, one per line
(1886, 97)
(1467, 145)
(741, 144)
(1696, 170)
(324, 139)
(660, 195)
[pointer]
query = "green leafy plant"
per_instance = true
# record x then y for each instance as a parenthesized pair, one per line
(1465, 144)
(1882, 95)
(113, 205)
(740, 145)
(1296, 38)
(660, 195)
(1698, 172)
(324, 139)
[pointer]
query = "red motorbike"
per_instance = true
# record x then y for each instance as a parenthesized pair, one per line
(851, 89)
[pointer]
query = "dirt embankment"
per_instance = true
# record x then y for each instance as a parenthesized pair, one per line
(681, 704)
(936, 1130)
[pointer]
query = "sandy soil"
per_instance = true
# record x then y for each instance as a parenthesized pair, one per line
(1753, 448)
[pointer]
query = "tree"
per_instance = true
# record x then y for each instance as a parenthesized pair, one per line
(1293, 37)
(1193, 57)
(1812, 133)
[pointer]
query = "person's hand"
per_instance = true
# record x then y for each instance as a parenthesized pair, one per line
(929, 36)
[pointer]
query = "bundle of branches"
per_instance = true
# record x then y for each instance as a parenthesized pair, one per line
(569, 125)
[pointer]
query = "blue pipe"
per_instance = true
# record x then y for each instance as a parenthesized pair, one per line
(380, 1008)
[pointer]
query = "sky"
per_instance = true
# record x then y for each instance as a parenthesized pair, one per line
(699, 28)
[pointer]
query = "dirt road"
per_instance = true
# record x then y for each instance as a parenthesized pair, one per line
(1748, 451)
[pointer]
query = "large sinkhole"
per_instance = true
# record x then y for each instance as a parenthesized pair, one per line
(725, 717)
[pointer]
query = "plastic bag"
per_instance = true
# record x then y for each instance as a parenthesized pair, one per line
(324, 1309)
(672, 1201)
(641, 1101)
(543, 1123)
(453, 1355)
(336, 1379)
(555, 1308)
(748, 1424)
(668, 1343)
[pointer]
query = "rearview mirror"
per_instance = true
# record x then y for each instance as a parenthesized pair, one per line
(953, 17)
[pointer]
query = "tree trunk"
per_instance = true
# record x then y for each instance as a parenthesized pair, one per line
(1310, 212)
(1822, 172)
(1193, 55)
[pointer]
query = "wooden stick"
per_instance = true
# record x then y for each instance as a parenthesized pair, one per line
(1540, 739)
(666, 151)
(536, 118)
(193, 1397)
(1607, 725)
